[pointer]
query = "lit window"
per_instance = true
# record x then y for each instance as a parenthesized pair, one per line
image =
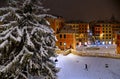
(103, 43)
(110, 42)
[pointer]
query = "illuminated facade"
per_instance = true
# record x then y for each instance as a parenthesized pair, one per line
(103, 33)
(118, 42)
(71, 34)
(81, 31)
(115, 28)
(56, 23)
(66, 38)
(97, 32)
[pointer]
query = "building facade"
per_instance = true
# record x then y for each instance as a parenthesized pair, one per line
(56, 23)
(103, 33)
(71, 34)
(66, 38)
(118, 42)
(81, 31)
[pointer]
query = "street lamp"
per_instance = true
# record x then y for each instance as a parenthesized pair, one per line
(64, 45)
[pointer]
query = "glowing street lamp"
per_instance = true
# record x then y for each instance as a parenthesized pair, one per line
(101, 35)
(64, 45)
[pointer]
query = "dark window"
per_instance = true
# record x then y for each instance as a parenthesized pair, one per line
(64, 36)
(60, 36)
(60, 43)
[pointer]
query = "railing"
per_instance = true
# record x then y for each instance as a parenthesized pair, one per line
(94, 54)
(108, 55)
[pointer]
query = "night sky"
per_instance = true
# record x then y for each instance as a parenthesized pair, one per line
(86, 10)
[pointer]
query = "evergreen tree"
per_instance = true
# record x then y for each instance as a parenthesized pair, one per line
(27, 43)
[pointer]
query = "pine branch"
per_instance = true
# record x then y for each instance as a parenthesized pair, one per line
(12, 23)
(4, 16)
(3, 44)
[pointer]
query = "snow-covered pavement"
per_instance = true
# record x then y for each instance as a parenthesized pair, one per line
(73, 67)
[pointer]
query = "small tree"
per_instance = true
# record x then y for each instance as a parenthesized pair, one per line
(27, 43)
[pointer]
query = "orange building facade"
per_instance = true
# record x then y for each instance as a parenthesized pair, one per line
(118, 43)
(70, 34)
(103, 32)
(56, 23)
(66, 41)
(81, 31)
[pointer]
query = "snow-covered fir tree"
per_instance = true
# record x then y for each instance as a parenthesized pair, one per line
(27, 42)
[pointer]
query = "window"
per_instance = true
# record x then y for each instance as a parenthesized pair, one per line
(57, 29)
(60, 35)
(64, 36)
(60, 43)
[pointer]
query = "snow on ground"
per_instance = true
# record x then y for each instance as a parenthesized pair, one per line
(73, 67)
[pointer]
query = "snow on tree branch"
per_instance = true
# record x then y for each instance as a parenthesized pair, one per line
(27, 42)
(19, 31)
(2, 45)
(45, 15)
(16, 59)
(12, 23)
(4, 16)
